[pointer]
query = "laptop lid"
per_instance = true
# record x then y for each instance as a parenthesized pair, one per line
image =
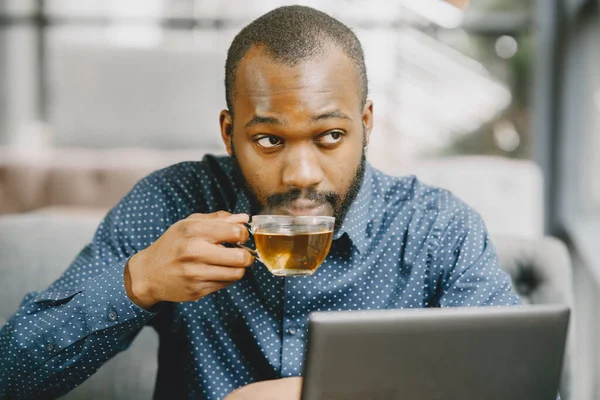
(436, 354)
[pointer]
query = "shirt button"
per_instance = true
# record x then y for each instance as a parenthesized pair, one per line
(112, 316)
(50, 347)
(293, 329)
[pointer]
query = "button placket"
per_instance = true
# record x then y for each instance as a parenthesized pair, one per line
(112, 315)
(292, 329)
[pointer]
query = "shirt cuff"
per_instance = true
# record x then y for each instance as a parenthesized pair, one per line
(107, 303)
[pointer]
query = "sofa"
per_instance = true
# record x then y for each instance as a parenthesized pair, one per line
(77, 178)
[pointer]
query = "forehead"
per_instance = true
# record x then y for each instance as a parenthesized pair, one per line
(264, 84)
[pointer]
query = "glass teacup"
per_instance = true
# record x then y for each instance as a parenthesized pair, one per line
(291, 245)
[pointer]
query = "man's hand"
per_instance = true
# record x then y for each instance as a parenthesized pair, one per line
(188, 261)
(279, 389)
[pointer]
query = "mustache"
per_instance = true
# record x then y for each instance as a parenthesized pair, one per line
(287, 198)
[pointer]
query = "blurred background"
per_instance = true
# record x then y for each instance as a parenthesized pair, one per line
(497, 100)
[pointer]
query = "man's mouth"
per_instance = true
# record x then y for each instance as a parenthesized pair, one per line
(307, 207)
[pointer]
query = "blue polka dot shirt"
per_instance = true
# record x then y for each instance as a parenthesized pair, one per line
(402, 245)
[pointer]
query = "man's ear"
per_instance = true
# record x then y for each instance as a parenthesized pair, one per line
(367, 119)
(226, 124)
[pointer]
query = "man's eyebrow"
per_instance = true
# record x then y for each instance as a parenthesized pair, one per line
(330, 114)
(258, 119)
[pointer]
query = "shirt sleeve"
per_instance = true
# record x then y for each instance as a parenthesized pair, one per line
(61, 336)
(466, 264)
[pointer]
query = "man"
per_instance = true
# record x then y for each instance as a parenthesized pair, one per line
(297, 126)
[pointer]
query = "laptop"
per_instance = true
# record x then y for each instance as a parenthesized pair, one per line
(491, 353)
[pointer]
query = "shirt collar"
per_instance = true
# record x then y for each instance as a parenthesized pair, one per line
(357, 219)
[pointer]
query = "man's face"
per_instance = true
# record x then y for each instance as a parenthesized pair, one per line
(299, 133)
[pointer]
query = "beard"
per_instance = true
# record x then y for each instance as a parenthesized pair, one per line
(340, 203)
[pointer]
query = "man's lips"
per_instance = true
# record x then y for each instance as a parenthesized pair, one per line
(307, 207)
(302, 204)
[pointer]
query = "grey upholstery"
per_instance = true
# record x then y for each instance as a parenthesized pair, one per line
(541, 272)
(36, 248)
(540, 268)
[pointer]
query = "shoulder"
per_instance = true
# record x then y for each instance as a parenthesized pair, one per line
(410, 189)
(191, 173)
(425, 202)
(187, 187)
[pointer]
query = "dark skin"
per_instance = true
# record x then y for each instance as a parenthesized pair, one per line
(295, 127)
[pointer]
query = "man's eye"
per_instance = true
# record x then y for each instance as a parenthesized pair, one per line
(268, 142)
(331, 137)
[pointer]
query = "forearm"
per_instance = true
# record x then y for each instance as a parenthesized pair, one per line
(61, 370)
(58, 339)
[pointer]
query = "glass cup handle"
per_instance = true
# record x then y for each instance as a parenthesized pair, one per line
(252, 252)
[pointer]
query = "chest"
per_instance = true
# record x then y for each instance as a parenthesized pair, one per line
(378, 278)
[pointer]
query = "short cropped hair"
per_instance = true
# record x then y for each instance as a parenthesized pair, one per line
(292, 34)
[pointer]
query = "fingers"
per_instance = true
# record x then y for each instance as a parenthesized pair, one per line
(218, 274)
(213, 254)
(238, 218)
(222, 215)
(214, 231)
(237, 258)
(216, 215)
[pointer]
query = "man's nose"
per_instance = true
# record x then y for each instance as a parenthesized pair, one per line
(302, 169)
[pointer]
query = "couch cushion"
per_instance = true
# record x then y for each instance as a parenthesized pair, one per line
(541, 271)
(540, 268)
(36, 248)
(31, 179)
(507, 193)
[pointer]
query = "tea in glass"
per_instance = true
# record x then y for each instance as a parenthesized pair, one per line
(291, 246)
